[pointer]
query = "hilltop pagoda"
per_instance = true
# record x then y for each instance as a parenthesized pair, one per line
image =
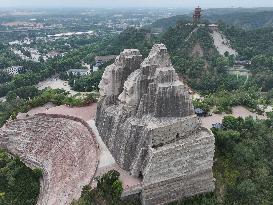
(197, 14)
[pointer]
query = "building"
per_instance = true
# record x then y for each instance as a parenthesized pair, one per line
(197, 14)
(200, 112)
(105, 59)
(53, 54)
(213, 27)
(243, 62)
(80, 72)
(239, 71)
(14, 70)
(97, 66)
(217, 126)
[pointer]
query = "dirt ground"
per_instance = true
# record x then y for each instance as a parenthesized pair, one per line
(86, 113)
(237, 111)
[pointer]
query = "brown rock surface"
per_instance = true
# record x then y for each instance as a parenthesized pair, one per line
(63, 147)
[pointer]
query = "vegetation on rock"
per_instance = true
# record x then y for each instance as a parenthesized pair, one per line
(107, 192)
(19, 185)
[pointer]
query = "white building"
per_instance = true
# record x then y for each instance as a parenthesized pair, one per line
(214, 27)
(53, 54)
(14, 70)
(95, 68)
(80, 72)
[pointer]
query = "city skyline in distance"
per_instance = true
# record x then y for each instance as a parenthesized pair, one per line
(133, 3)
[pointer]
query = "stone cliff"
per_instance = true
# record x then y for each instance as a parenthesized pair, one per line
(146, 118)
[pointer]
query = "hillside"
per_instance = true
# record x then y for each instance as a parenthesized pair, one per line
(167, 23)
(255, 45)
(252, 18)
(237, 182)
(141, 39)
(250, 43)
(244, 19)
(192, 50)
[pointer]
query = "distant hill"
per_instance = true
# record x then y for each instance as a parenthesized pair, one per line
(251, 18)
(215, 11)
(141, 39)
(250, 43)
(244, 19)
(192, 51)
(166, 23)
(185, 38)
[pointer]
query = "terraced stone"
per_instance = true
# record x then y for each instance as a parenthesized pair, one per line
(151, 130)
(63, 147)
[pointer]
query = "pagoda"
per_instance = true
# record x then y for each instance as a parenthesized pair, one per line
(197, 14)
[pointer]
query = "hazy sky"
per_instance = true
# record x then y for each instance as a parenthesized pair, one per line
(136, 3)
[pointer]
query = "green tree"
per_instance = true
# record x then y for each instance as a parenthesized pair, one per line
(109, 186)
(19, 185)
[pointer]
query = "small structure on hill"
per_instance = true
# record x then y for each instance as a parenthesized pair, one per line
(239, 71)
(243, 62)
(197, 14)
(240, 68)
(104, 59)
(79, 72)
(200, 112)
(14, 70)
(146, 119)
(213, 27)
(96, 67)
(217, 126)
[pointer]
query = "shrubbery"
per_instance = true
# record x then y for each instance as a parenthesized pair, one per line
(242, 165)
(15, 105)
(19, 185)
(223, 101)
(108, 191)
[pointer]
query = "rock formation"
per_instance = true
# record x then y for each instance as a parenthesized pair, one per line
(145, 117)
(63, 147)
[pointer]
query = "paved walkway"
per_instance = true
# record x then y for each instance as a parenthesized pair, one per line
(237, 111)
(86, 113)
(222, 44)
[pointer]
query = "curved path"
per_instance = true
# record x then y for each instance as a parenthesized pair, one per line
(63, 147)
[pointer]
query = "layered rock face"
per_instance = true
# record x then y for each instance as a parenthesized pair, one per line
(116, 74)
(63, 147)
(146, 118)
